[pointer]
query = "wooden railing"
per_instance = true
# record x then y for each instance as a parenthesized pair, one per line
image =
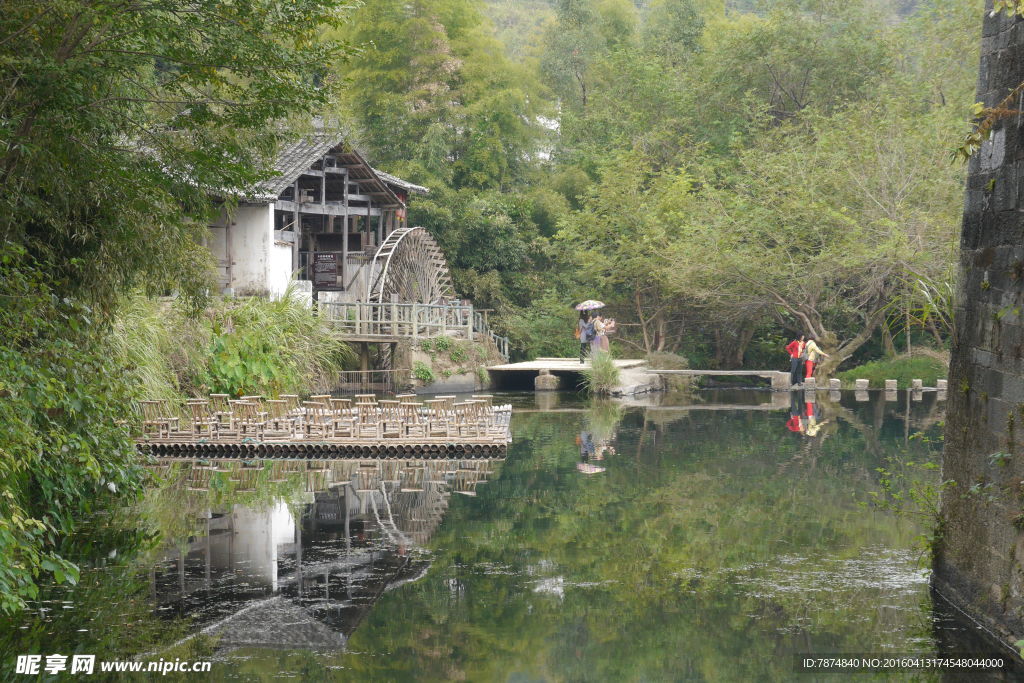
(383, 381)
(411, 321)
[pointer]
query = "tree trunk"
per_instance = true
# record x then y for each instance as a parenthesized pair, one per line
(887, 342)
(848, 348)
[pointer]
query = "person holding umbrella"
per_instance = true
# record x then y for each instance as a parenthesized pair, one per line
(584, 333)
(585, 326)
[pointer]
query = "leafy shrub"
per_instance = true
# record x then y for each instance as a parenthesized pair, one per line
(422, 372)
(458, 354)
(483, 376)
(260, 346)
(602, 376)
(63, 404)
(442, 343)
(902, 369)
(427, 346)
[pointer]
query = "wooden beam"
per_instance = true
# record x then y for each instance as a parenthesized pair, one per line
(327, 209)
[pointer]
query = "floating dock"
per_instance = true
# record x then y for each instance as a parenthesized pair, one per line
(386, 448)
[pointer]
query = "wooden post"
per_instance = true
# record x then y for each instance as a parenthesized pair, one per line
(469, 323)
(344, 231)
(296, 228)
(444, 320)
(415, 323)
(394, 316)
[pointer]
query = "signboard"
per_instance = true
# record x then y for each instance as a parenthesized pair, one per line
(325, 269)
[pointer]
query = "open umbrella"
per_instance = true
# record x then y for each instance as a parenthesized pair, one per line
(589, 305)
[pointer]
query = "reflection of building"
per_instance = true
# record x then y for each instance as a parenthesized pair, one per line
(262, 577)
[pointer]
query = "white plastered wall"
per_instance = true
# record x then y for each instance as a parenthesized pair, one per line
(251, 241)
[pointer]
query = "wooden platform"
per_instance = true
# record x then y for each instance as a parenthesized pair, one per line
(326, 449)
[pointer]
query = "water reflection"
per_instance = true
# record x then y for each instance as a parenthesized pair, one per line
(302, 573)
(717, 543)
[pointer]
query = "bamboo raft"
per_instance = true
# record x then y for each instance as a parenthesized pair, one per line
(327, 428)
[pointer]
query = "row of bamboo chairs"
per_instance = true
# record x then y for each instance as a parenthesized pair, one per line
(325, 417)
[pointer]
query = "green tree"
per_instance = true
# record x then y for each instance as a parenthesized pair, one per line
(434, 95)
(118, 120)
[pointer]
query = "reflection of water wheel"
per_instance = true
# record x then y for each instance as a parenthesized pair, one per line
(410, 268)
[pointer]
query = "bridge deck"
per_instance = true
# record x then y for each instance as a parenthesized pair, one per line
(561, 365)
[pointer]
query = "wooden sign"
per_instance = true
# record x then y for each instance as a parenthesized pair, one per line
(325, 270)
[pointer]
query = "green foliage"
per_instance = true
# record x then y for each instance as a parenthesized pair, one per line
(423, 372)
(458, 354)
(126, 116)
(602, 376)
(438, 100)
(914, 489)
(63, 415)
(442, 343)
(903, 369)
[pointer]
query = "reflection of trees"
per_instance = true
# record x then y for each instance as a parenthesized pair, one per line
(663, 545)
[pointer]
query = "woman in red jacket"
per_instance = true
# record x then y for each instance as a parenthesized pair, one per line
(796, 366)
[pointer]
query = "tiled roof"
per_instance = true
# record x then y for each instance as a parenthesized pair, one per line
(296, 157)
(404, 184)
(292, 159)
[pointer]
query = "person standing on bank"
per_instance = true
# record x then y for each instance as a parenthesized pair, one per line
(600, 342)
(813, 353)
(795, 349)
(584, 333)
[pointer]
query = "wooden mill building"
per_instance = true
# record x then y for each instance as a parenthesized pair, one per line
(319, 220)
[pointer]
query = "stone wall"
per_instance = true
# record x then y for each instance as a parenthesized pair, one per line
(979, 564)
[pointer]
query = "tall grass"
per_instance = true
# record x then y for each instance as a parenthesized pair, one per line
(268, 347)
(602, 376)
(160, 346)
(236, 347)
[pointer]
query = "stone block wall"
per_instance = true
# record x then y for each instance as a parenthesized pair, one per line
(979, 564)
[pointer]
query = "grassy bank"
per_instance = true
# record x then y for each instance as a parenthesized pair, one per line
(235, 347)
(903, 369)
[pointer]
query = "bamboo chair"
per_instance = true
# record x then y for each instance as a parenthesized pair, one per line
(203, 418)
(153, 423)
(220, 407)
(316, 423)
(279, 422)
(293, 402)
(341, 406)
(438, 419)
(248, 419)
(366, 398)
(414, 421)
(367, 424)
(390, 419)
(321, 398)
(405, 398)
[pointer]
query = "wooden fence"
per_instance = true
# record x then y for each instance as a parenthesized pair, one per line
(411, 321)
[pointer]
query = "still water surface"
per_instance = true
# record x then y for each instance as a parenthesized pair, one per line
(712, 537)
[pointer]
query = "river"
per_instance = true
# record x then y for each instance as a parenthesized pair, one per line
(721, 536)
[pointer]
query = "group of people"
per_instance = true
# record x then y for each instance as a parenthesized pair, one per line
(592, 331)
(804, 354)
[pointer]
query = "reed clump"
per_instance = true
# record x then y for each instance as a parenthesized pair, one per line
(602, 376)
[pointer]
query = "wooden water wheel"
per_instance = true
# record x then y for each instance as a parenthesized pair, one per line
(409, 267)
